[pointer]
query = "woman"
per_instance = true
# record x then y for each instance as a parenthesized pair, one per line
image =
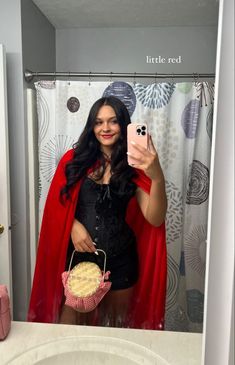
(100, 201)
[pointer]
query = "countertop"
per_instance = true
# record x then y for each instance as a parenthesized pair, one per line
(176, 348)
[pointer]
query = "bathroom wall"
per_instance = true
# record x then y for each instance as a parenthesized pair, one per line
(38, 39)
(38, 54)
(29, 40)
(132, 49)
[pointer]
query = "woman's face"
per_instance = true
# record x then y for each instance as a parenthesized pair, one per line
(107, 129)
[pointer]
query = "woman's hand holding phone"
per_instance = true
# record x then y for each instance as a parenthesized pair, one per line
(144, 157)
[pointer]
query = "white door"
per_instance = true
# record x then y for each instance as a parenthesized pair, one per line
(5, 234)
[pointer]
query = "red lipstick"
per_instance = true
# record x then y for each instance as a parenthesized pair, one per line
(107, 136)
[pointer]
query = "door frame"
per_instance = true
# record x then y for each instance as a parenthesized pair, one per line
(5, 216)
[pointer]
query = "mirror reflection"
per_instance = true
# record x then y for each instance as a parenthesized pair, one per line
(180, 128)
(178, 115)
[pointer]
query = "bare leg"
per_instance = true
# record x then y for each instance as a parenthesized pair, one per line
(87, 319)
(71, 316)
(68, 315)
(111, 311)
(113, 308)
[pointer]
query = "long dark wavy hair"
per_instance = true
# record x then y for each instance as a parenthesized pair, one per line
(87, 150)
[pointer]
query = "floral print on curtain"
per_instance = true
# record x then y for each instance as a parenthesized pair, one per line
(179, 118)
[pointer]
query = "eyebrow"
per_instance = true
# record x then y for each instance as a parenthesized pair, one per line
(114, 117)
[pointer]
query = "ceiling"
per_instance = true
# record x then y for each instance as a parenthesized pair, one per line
(129, 13)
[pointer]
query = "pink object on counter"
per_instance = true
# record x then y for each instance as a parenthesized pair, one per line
(5, 313)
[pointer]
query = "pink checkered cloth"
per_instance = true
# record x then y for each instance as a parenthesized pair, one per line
(89, 303)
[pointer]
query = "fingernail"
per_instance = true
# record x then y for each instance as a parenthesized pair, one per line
(96, 253)
(132, 142)
(128, 153)
(94, 243)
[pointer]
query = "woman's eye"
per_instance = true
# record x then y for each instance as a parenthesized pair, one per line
(98, 122)
(114, 121)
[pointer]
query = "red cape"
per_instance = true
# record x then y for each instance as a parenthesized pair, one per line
(147, 308)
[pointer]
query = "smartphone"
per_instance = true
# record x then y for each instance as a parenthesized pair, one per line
(138, 133)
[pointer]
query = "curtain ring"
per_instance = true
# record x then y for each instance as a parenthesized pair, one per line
(69, 79)
(134, 79)
(38, 78)
(172, 78)
(89, 83)
(195, 77)
(54, 81)
(198, 82)
(111, 77)
(155, 78)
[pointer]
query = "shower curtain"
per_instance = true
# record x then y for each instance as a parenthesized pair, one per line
(179, 118)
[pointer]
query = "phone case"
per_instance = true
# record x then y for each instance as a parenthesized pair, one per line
(138, 133)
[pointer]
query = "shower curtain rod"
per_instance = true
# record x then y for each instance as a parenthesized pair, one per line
(29, 75)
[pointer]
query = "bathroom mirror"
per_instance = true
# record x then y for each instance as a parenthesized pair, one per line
(186, 240)
(195, 25)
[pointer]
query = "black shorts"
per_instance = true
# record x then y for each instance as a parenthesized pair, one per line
(123, 267)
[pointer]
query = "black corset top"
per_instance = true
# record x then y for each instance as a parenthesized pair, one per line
(101, 208)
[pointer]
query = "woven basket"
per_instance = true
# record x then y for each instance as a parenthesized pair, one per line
(84, 279)
(85, 285)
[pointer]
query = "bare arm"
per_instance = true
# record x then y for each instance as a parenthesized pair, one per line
(81, 239)
(153, 205)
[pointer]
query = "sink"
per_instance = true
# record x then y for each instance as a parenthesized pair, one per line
(89, 350)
